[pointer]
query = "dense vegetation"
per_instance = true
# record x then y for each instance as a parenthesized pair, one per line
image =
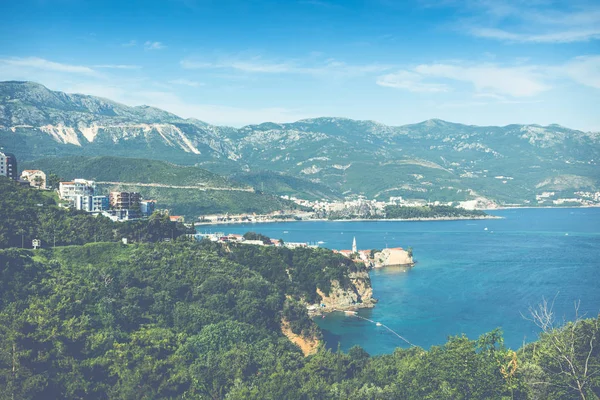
(201, 320)
(193, 202)
(132, 170)
(402, 212)
(282, 184)
(257, 236)
(28, 214)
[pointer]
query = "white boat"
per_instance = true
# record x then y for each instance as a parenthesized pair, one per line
(320, 242)
(378, 323)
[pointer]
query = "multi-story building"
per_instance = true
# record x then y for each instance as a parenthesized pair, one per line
(125, 200)
(8, 165)
(147, 207)
(35, 177)
(78, 187)
(91, 203)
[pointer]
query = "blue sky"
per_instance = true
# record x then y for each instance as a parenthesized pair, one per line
(239, 62)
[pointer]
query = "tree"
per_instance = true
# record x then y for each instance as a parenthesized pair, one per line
(568, 354)
(52, 181)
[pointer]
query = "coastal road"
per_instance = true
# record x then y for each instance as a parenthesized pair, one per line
(162, 185)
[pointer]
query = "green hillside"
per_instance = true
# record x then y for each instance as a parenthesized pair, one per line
(185, 320)
(282, 184)
(193, 203)
(184, 190)
(130, 170)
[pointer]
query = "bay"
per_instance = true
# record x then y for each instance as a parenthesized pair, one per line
(468, 279)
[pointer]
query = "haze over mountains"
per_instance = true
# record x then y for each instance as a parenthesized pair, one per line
(435, 159)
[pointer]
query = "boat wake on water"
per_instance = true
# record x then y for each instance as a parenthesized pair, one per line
(355, 314)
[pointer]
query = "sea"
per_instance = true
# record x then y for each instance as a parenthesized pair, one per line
(471, 276)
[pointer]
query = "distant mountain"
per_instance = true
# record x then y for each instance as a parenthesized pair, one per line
(434, 160)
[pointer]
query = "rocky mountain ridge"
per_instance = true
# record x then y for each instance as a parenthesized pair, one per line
(433, 159)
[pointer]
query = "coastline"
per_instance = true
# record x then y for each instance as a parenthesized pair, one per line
(268, 221)
(538, 207)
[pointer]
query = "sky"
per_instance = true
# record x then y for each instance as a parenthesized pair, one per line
(234, 63)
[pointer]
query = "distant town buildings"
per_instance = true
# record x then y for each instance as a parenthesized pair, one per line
(8, 165)
(35, 177)
(125, 200)
(147, 207)
(118, 206)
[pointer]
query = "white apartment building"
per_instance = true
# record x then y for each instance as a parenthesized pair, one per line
(77, 187)
(91, 203)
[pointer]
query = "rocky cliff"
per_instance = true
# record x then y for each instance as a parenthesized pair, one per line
(359, 294)
(392, 257)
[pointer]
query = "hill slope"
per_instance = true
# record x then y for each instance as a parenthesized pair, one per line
(184, 190)
(435, 159)
(132, 170)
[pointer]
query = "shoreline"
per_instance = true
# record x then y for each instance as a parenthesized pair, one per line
(538, 207)
(430, 219)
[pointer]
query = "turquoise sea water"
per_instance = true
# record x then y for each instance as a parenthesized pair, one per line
(467, 280)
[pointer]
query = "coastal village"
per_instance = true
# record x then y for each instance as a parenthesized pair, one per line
(82, 194)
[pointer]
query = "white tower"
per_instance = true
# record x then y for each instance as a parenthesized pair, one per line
(354, 250)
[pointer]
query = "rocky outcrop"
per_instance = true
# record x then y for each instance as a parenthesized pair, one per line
(392, 257)
(358, 295)
(307, 345)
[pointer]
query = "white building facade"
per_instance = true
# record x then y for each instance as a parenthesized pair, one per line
(78, 187)
(35, 177)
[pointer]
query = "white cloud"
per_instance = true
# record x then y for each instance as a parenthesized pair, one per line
(46, 65)
(513, 81)
(131, 43)
(118, 66)
(410, 81)
(329, 67)
(487, 79)
(518, 21)
(568, 36)
(584, 70)
(185, 82)
(154, 45)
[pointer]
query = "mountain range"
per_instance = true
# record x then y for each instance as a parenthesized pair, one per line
(434, 159)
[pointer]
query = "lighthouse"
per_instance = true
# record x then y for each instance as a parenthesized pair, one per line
(354, 250)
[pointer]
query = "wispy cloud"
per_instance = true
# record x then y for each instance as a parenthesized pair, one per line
(307, 67)
(118, 66)
(131, 43)
(517, 21)
(495, 81)
(185, 82)
(513, 81)
(584, 70)
(568, 36)
(149, 45)
(411, 81)
(46, 65)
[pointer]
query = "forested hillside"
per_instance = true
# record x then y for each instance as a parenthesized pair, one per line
(27, 214)
(131, 170)
(196, 320)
